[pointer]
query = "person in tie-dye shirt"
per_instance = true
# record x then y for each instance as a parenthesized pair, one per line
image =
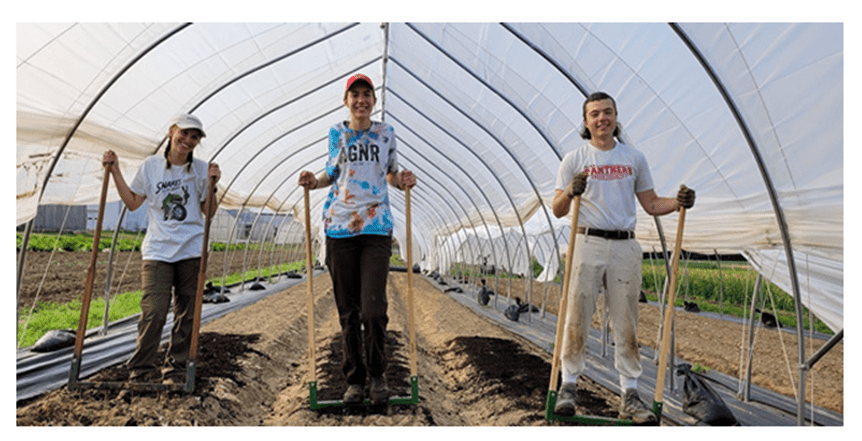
(362, 164)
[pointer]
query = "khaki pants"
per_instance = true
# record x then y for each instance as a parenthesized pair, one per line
(159, 280)
(616, 266)
(359, 267)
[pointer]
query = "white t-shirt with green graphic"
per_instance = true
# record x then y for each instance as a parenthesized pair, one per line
(175, 228)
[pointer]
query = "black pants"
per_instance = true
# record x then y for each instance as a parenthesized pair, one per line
(359, 267)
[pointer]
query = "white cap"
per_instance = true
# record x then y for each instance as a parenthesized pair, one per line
(187, 121)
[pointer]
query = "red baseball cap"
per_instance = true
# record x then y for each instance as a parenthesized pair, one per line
(358, 77)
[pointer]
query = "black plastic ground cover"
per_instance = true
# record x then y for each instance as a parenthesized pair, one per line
(38, 373)
(766, 408)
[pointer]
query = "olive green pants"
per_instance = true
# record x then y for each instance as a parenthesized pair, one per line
(160, 280)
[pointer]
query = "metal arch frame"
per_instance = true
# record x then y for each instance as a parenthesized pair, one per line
(269, 197)
(25, 239)
(489, 87)
(492, 136)
(260, 181)
(271, 194)
(271, 62)
(292, 191)
(512, 105)
(440, 185)
(450, 135)
(776, 206)
(436, 194)
(470, 198)
(309, 162)
(476, 185)
(479, 189)
(547, 58)
(281, 106)
(447, 223)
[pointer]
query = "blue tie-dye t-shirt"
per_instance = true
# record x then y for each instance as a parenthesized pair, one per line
(358, 200)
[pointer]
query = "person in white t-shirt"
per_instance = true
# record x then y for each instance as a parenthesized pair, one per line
(174, 189)
(357, 219)
(611, 178)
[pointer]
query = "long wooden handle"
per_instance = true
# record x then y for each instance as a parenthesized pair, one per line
(202, 272)
(91, 271)
(309, 286)
(668, 314)
(411, 315)
(561, 313)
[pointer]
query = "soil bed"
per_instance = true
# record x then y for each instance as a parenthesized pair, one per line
(253, 367)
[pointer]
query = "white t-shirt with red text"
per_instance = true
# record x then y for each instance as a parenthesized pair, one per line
(615, 177)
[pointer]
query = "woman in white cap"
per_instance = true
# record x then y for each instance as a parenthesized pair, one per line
(362, 164)
(175, 191)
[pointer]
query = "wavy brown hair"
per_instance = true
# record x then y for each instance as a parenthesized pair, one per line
(597, 96)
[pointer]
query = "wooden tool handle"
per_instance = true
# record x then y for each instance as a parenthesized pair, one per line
(411, 315)
(668, 313)
(91, 271)
(202, 271)
(309, 285)
(561, 313)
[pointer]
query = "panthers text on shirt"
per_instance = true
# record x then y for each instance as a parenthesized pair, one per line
(609, 172)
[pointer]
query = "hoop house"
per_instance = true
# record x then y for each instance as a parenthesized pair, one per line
(750, 115)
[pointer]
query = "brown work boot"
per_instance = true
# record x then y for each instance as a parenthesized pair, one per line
(379, 391)
(632, 408)
(355, 394)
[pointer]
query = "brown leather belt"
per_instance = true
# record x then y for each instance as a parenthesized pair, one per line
(618, 235)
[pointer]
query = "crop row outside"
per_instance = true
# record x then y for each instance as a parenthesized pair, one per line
(77, 242)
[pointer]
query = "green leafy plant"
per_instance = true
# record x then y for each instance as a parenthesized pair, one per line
(700, 369)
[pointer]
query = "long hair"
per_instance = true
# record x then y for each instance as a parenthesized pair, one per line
(597, 96)
(168, 151)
